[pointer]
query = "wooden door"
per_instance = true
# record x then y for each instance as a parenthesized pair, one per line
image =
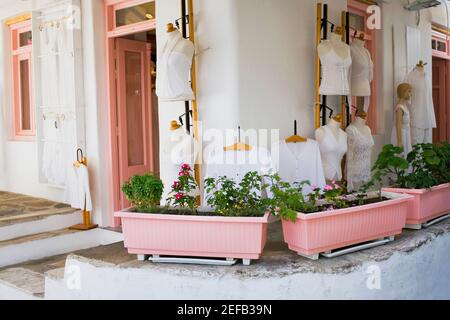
(440, 99)
(133, 110)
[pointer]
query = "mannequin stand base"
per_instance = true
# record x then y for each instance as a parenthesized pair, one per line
(84, 227)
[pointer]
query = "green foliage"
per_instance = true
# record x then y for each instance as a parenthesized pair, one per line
(425, 166)
(144, 192)
(237, 200)
(181, 195)
(288, 200)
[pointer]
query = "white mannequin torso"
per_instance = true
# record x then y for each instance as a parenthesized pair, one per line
(362, 69)
(173, 69)
(336, 62)
(333, 146)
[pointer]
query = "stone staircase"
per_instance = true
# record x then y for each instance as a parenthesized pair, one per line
(33, 228)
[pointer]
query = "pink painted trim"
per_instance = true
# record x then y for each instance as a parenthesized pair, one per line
(113, 163)
(111, 6)
(19, 54)
(439, 37)
(359, 8)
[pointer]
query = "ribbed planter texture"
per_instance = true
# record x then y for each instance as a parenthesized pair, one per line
(428, 204)
(194, 236)
(321, 232)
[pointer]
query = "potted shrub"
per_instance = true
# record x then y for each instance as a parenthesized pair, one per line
(329, 219)
(425, 175)
(234, 228)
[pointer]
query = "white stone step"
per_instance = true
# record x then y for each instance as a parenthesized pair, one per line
(38, 246)
(21, 284)
(38, 222)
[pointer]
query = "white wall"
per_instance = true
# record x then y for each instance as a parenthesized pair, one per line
(19, 160)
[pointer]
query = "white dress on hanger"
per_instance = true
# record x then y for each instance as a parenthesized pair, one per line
(298, 162)
(335, 71)
(78, 193)
(423, 118)
(359, 155)
(332, 150)
(406, 130)
(174, 69)
(236, 164)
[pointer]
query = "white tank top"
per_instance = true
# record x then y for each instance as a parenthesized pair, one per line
(335, 72)
(333, 149)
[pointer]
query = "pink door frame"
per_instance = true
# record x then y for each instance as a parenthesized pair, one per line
(112, 121)
(360, 9)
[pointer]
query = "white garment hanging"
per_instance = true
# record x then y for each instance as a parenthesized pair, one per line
(236, 164)
(361, 70)
(406, 130)
(332, 150)
(335, 71)
(49, 67)
(174, 69)
(359, 155)
(422, 107)
(298, 162)
(78, 193)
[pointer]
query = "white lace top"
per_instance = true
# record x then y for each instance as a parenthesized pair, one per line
(335, 72)
(359, 155)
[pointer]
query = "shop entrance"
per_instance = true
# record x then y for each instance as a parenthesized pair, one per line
(441, 99)
(132, 101)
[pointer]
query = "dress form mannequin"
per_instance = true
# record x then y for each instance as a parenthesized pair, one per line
(423, 118)
(333, 146)
(361, 71)
(401, 133)
(360, 144)
(174, 68)
(336, 60)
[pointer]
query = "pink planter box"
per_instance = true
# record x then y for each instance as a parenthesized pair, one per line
(195, 236)
(428, 204)
(321, 232)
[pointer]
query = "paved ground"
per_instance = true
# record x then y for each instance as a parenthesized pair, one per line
(17, 207)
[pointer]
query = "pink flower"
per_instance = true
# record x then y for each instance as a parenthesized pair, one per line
(328, 188)
(179, 196)
(186, 167)
(176, 185)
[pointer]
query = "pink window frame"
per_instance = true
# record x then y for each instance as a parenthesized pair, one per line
(360, 9)
(19, 54)
(112, 6)
(438, 36)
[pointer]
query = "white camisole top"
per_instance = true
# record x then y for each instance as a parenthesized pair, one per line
(335, 72)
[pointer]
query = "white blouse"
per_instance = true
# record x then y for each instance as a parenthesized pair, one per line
(332, 150)
(298, 162)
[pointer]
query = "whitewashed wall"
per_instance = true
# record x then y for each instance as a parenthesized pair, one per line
(258, 72)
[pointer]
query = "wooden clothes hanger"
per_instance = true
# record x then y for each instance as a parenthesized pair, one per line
(238, 146)
(170, 28)
(295, 138)
(421, 64)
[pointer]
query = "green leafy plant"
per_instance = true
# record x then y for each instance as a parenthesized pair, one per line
(183, 190)
(423, 161)
(442, 170)
(390, 164)
(144, 192)
(239, 200)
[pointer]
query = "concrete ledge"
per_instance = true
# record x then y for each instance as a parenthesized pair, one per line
(413, 267)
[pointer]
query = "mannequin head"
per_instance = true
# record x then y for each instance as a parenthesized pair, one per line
(404, 91)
